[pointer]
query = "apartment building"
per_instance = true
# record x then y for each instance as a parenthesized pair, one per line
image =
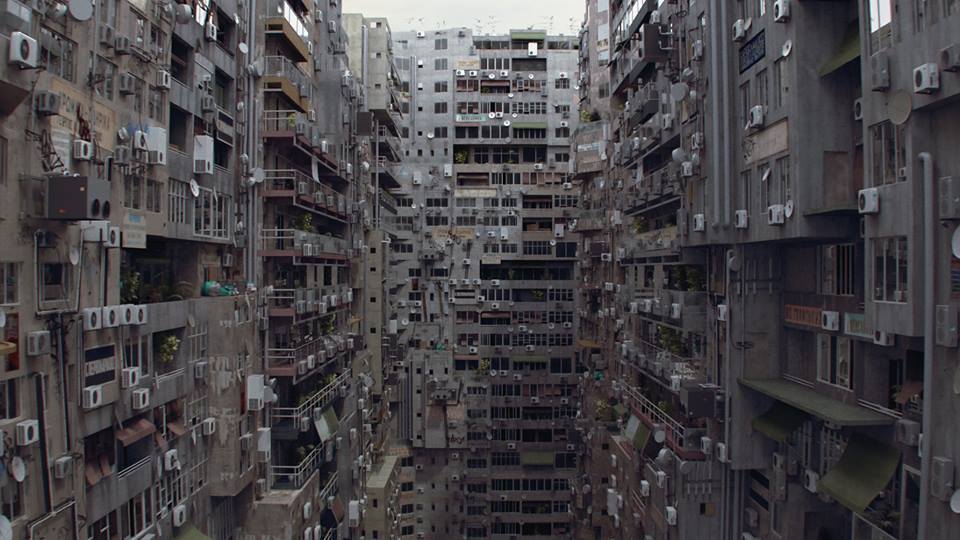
(772, 293)
(483, 284)
(183, 352)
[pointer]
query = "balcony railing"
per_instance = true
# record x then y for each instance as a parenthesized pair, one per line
(281, 66)
(282, 120)
(320, 399)
(320, 347)
(298, 241)
(303, 184)
(675, 431)
(295, 476)
(667, 365)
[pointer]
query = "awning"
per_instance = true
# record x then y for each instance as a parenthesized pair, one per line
(530, 359)
(537, 459)
(135, 431)
(191, 533)
(327, 425)
(779, 422)
(637, 432)
(528, 35)
(466, 357)
(588, 344)
(865, 468)
(810, 401)
(848, 51)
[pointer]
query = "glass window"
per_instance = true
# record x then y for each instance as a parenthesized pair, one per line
(890, 269)
(881, 18)
(9, 283)
(835, 360)
(9, 408)
(57, 54)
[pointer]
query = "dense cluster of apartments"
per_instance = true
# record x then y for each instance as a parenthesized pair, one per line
(275, 271)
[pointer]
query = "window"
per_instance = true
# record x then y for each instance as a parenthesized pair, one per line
(782, 173)
(132, 196)
(440, 64)
(763, 88)
(837, 265)
(441, 132)
(103, 75)
(104, 528)
(137, 514)
(561, 157)
(745, 102)
(440, 107)
(155, 103)
(210, 214)
(764, 173)
(562, 84)
(9, 283)
(562, 132)
(834, 360)
(8, 399)
(57, 54)
(441, 86)
(781, 82)
(890, 269)
(761, 7)
(440, 44)
(888, 153)
(177, 201)
(154, 188)
(56, 282)
(881, 17)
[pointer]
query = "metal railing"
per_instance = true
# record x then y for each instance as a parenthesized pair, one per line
(281, 66)
(281, 120)
(675, 431)
(295, 476)
(297, 240)
(667, 364)
(321, 399)
(287, 356)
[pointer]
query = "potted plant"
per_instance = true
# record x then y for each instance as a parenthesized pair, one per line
(130, 287)
(304, 223)
(460, 157)
(167, 351)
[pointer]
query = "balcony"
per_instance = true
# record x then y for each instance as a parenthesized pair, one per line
(306, 303)
(685, 440)
(304, 247)
(321, 399)
(288, 25)
(667, 366)
(282, 75)
(307, 193)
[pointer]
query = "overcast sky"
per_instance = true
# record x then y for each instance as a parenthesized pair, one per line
(485, 16)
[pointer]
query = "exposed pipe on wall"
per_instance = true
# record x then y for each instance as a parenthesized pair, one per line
(929, 324)
(715, 103)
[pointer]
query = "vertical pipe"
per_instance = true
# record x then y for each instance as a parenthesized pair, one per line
(716, 104)
(929, 272)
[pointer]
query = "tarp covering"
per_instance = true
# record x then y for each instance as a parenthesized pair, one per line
(865, 468)
(848, 51)
(812, 402)
(327, 425)
(637, 432)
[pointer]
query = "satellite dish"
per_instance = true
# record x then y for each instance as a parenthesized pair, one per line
(787, 47)
(492, 115)
(955, 502)
(184, 13)
(733, 262)
(123, 134)
(194, 188)
(659, 434)
(74, 256)
(18, 469)
(3, 323)
(258, 175)
(531, 76)
(6, 530)
(80, 10)
(255, 68)
(515, 115)
(506, 123)
(788, 208)
(242, 47)
(510, 95)
(899, 107)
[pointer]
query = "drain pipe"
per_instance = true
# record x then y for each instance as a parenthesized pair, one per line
(725, 109)
(715, 38)
(929, 230)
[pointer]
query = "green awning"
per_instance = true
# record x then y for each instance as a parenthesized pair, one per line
(191, 533)
(529, 125)
(528, 35)
(637, 432)
(812, 402)
(848, 51)
(779, 422)
(327, 425)
(865, 468)
(537, 459)
(531, 358)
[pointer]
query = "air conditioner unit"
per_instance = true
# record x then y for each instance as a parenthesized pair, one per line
(775, 214)
(82, 150)
(127, 314)
(106, 35)
(742, 219)
(699, 223)
(885, 339)
(474, 73)
(421, 34)
(163, 79)
(130, 377)
(141, 398)
(28, 432)
(23, 50)
(92, 397)
(880, 71)
(781, 11)
(666, 121)
(926, 78)
(92, 319)
(530, 348)
(209, 426)
(675, 311)
(111, 316)
(756, 117)
(697, 53)
(63, 467)
(739, 30)
(210, 32)
(810, 480)
(126, 84)
(908, 432)
(38, 343)
(538, 166)
(179, 515)
(722, 455)
(606, 257)
(46, 103)
(686, 169)
(830, 320)
(200, 370)
(461, 73)
(858, 109)
(255, 403)
(141, 142)
(171, 460)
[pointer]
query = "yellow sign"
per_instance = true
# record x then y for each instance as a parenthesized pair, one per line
(102, 123)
